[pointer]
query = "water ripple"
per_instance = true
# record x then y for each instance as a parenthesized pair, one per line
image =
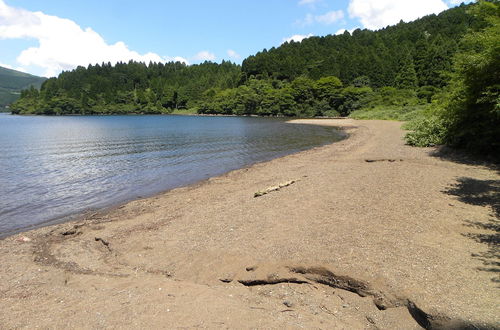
(52, 167)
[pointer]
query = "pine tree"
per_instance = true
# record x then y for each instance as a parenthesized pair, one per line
(407, 76)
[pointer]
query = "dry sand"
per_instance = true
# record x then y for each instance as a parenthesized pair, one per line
(372, 234)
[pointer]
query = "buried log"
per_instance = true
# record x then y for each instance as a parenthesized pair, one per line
(274, 188)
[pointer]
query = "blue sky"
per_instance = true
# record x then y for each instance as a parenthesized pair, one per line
(45, 37)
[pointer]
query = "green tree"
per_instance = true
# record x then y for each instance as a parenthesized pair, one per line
(354, 98)
(472, 111)
(407, 76)
(469, 115)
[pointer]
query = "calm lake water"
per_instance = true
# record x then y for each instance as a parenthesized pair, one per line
(54, 167)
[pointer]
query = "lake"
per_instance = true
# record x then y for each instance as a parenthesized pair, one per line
(55, 167)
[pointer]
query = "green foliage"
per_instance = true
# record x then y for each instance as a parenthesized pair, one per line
(382, 112)
(474, 103)
(16, 80)
(7, 97)
(417, 72)
(303, 97)
(406, 78)
(394, 97)
(425, 131)
(354, 98)
(426, 93)
(469, 115)
(418, 53)
(361, 81)
(129, 88)
(11, 84)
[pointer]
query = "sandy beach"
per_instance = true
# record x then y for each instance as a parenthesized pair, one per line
(365, 233)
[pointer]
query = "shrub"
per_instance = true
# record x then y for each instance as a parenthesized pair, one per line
(425, 131)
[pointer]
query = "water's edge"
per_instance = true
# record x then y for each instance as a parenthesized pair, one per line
(78, 216)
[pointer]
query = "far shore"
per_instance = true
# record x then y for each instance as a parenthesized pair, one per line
(363, 233)
(174, 113)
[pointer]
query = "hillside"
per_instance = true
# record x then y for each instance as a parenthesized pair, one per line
(426, 45)
(284, 81)
(12, 82)
(440, 72)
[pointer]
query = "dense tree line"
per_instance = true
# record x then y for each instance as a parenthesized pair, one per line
(289, 80)
(448, 63)
(405, 64)
(127, 88)
(467, 114)
(303, 97)
(424, 47)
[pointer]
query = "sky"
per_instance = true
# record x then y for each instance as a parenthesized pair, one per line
(49, 36)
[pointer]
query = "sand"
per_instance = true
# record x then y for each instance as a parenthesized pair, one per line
(360, 234)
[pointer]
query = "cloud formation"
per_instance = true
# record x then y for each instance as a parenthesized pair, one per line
(308, 2)
(233, 55)
(63, 44)
(296, 38)
(330, 17)
(376, 14)
(326, 19)
(8, 66)
(204, 55)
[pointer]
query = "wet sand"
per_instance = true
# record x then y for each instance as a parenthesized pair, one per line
(370, 234)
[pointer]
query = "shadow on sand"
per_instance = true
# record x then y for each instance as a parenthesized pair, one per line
(462, 157)
(483, 193)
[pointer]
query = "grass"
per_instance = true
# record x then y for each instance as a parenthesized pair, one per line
(400, 113)
(424, 128)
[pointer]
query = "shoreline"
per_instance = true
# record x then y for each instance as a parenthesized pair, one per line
(372, 233)
(82, 215)
(174, 113)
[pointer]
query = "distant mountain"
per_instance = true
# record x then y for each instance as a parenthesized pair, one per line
(12, 82)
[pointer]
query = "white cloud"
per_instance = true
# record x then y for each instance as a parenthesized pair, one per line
(175, 59)
(326, 19)
(233, 55)
(63, 44)
(297, 38)
(308, 20)
(8, 66)
(205, 55)
(330, 17)
(375, 14)
(308, 2)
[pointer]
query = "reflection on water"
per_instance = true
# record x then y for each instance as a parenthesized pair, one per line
(51, 167)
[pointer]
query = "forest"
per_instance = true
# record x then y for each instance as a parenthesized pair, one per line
(439, 73)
